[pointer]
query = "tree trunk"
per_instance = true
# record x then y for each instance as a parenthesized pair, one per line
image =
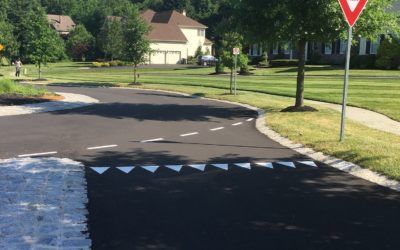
(301, 74)
(134, 73)
(40, 71)
(231, 81)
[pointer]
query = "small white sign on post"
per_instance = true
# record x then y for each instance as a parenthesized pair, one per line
(236, 51)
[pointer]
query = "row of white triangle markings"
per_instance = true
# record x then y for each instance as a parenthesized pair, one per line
(202, 167)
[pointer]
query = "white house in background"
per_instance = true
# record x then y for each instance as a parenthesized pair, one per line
(174, 36)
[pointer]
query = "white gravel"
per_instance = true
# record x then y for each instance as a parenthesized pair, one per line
(43, 204)
(71, 101)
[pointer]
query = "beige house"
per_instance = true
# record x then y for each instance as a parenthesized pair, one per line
(174, 36)
(62, 24)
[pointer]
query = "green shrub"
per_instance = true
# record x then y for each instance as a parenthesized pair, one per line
(97, 64)
(363, 62)
(192, 60)
(4, 61)
(106, 64)
(114, 63)
(388, 55)
(255, 60)
(11, 87)
(284, 63)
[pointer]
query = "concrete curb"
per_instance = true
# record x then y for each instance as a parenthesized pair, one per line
(337, 163)
(71, 101)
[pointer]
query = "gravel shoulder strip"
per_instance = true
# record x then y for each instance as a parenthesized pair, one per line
(70, 101)
(43, 204)
(340, 164)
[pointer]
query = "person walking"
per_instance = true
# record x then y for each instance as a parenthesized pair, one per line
(18, 65)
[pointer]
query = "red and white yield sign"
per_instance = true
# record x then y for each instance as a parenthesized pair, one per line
(352, 9)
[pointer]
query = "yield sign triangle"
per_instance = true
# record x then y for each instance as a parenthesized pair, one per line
(126, 170)
(265, 164)
(100, 170)
(152, 169)
(352, 9)
(287, 164)
(221, 166)
(309, 163)
(200, 167)
(176, 168)
(244, 165)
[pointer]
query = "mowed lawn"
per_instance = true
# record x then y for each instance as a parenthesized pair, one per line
(377, 90)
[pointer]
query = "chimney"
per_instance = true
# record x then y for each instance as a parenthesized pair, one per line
(184, 12)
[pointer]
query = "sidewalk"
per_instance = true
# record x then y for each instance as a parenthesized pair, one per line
(366, 117)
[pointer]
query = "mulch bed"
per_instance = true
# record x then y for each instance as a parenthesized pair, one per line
(13, 99)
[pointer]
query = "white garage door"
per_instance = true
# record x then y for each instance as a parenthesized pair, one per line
(158, 57)
(173, 57)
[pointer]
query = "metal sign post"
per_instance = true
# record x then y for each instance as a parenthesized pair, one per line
(235, 74)
(236, 52)
(352, 10)
(346, 83)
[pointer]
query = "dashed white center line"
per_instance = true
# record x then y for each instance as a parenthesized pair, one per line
(102, 147)
(37, 154)
(249, 120)
(216, 129)
(152, 140)
(190, 134)
(237, 124)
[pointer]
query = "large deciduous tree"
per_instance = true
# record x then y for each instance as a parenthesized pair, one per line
(300, 21)
(79, 43)
(42, 43)
(137, 44)
(111, 38)
(7, 39)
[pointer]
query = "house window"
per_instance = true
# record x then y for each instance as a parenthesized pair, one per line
(343, 46)
(201, 32)
(374, 46)
(255, 50)
(275, 51)
(328, 48)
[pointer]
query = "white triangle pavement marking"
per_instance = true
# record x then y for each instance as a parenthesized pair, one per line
(353, 4)
(309, 163)
(126, 170)
(176, 168)
(265, 164)
(200, 167)
(244, 165)
(287, 164)
(100, 170)
(221, 166)
(152, 169)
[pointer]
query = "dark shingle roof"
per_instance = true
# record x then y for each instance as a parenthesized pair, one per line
(166, 25)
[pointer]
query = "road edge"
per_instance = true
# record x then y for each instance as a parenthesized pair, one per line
(334, 162)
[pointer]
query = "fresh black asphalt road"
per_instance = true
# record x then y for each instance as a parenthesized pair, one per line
(262, 208)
